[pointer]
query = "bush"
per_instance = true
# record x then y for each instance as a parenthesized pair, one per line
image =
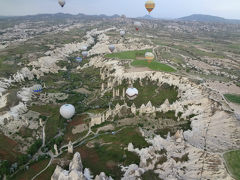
(34, 147)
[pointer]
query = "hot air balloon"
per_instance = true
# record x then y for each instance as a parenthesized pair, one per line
(84, 54)
(111, 47)
(137, 25)
(149, 56)
(131, 93)
(84, 48)
(149, 5)
(37, 88)
(122, 33)
(67, 111)
(61, 2)
(79, 59)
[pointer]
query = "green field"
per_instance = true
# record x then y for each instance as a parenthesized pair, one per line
(232, 98)
(54, 120)
(150, 92)
(232, 161)
(156, 66)
(129, 54)
(172, 56)
(139, 60)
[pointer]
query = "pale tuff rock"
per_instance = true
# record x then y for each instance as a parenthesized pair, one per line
(76, 171)
(179, 136)
(217, 133)
(70, 147)
(132, 172)
(96, 119)
(56, 149)
(3, 100)
(76, 163)
(13, 117)
(197, 163)
(25, 94)
(133, 109)
(4, 84)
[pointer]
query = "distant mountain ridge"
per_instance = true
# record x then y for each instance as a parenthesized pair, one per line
(59, 16)
(146, 17)
(208, 19)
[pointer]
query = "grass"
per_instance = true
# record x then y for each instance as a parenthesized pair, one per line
(8, 69)
(127, 135)
(151, 92)
(136, 55)
(233, 98)
(150, 175)
(32, 171)
(129, 54)
(172, 56)
(232, 161)
(54, 120)
(156, 66)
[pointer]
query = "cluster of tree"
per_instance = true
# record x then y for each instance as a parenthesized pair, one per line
(50, 144)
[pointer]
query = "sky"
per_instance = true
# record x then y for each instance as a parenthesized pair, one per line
(132, 8)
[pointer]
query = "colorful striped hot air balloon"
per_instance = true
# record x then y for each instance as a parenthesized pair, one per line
(149, 56)
(150, 5)
(37, 88)
(137, 25)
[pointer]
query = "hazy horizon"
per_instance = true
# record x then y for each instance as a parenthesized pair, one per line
(164, 8)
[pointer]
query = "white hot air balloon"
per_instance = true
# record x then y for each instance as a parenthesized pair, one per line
(132, 93)
(67, 111)
(111, 47)
(84, 54)
(61, 3)
(122, 33)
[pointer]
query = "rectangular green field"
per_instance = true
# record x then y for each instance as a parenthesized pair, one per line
(156, 66)
(233, 98)
(129, 54)
(232, 161)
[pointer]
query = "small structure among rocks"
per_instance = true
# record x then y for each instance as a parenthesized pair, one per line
(70, 147)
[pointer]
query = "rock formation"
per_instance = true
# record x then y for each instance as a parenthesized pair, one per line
(76, 171)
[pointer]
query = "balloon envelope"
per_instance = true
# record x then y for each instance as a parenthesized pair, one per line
(137, 25)
(78, 59)
(149, 5)
(67, 111)
(149, 56)
(37, 88)
(131, 93)
(111, 48)
(61, 2)
(122, 33)
(84, 54)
